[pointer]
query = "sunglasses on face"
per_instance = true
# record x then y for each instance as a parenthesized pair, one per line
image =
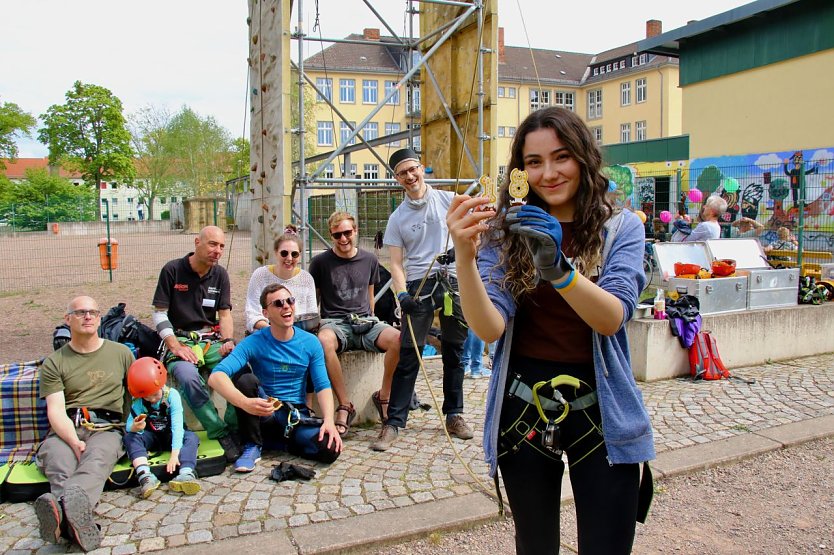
(284, 254)
(338, 234)
(279, 303)
(84, 313)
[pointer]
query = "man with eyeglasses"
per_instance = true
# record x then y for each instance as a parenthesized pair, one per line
(83, 384)
(281, 357)
(345, 276)
(193, 317)
(416, 236)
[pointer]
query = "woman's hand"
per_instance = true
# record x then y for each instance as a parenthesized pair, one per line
(543, 234)
(466, 223)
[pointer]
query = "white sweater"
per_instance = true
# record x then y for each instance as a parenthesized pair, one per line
(300, 285)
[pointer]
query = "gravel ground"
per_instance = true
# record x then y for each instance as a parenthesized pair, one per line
(780, 502)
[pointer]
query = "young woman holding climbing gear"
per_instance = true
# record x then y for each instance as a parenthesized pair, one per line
(555, 280)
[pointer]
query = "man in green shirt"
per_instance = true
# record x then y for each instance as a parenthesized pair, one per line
(83, 384)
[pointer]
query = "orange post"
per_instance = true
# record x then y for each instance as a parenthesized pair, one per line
(108, 254)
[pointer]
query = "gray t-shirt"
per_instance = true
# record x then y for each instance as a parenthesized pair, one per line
(343, 282)
(421, 232)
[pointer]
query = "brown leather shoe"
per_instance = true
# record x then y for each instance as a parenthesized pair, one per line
(457, 427)
(387, 437)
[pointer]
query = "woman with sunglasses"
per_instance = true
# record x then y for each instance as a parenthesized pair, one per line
(284, 272)
(555, 282)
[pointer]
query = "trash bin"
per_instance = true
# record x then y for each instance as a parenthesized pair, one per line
(111, 263)
(56, 229)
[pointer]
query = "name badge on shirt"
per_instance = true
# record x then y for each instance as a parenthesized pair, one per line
(209, 303)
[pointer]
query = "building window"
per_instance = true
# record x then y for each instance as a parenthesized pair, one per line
(502, 171)
(114, 201)
(563, 99)
(511, 131)
(328, 171)
(501, 93)
(608, 68)
(416, 139)
(347, 91)
(596, 71)
(161, 200)
(325, 85)
(640, 131)
(324, 133)
(352, 170)
(640, 85)
(502, 131)
(390, 129)
(371, 130)
(625, 133)
(595, 104)
(644, 58)
(345, 131)
(369, 91)
(625, 93)
(511, 92)
(371, 172)
(622, 64)
(392, 86)
(539, 99)
(597, 133)
(414, 105)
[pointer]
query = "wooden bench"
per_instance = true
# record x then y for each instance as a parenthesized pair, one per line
(812, 261)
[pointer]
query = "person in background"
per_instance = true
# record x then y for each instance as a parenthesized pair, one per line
(709, 228)
(555, 282)
(785, 241)
(472, 358)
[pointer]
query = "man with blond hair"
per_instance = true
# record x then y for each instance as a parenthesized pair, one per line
(345, 276)
(83, 384)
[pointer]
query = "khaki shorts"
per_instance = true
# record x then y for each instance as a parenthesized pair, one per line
(350, 341)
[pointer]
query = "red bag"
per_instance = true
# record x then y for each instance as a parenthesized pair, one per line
(704, 360)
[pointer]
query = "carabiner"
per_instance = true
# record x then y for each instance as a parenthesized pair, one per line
(561, 379)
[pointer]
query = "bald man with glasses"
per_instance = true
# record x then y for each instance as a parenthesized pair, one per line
(345, 276)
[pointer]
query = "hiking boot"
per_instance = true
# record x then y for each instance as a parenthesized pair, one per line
(230, 448)
(148, 482)
(48, 511)
(387, 437)
(79, 514)
(457, 427)
(185, 482)
(249, 459)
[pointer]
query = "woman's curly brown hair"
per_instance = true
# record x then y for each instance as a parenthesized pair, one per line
(592, 207)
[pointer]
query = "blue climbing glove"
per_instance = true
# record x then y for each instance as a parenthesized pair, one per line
(407, 303)
(543, 235)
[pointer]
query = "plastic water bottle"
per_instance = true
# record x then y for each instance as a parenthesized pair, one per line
(660, 305)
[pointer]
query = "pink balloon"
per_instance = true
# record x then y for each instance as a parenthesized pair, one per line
(695, 195)
(665, 216)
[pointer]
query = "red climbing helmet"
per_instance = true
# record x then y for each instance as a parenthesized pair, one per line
(145, 377)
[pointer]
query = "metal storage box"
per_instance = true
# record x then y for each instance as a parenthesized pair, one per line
(715, 295)
(827, 272)
(767, 287)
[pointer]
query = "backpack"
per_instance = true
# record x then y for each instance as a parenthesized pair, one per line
(684, 318)
(704, 360)
(121, 328)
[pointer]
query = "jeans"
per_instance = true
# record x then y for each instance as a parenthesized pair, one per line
(473, 353)
(138, 445)
(453, 330)
(194, 390)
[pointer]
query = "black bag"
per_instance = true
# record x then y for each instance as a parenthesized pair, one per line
(121, 328)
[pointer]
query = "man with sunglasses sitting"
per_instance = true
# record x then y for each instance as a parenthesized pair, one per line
(345, 276)
(270, 399)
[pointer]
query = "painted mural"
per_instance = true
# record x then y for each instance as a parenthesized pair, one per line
(766, 187)
(642, 185)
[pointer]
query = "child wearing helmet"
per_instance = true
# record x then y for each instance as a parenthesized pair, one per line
(156, 422)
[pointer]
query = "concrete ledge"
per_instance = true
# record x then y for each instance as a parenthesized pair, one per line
(747, 338)
(394, 525)
(714, 453)
(796, 433)
(362, 372)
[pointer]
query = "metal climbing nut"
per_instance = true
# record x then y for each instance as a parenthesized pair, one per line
(551, 438)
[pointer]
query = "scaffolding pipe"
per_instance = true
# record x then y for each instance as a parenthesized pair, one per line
(302, 170)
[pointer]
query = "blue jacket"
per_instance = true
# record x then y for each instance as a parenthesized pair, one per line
(625, 423)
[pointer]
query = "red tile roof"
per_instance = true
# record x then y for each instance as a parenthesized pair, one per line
(17, 169)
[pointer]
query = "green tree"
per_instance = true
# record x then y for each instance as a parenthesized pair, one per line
(89, 134)
(156, 165)
(709, 180)
(44, 198)
(14, 122)
(202, 149)
(239, 158)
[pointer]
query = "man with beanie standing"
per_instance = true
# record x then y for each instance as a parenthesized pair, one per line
(415, 236)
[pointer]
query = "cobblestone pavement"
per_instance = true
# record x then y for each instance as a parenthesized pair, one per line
(421, 467)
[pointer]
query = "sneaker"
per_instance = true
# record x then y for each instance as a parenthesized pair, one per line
(250, 457)
(48, 511)
(79, 514)
(482, 374)
(230, 448)
(387, 437)
(457, 427)
(185, 482)
(148, 482)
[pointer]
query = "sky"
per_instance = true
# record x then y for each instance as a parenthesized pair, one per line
(187, 52)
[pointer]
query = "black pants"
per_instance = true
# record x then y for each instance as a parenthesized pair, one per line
(269, 431)
(453, 331)
(605, 495)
